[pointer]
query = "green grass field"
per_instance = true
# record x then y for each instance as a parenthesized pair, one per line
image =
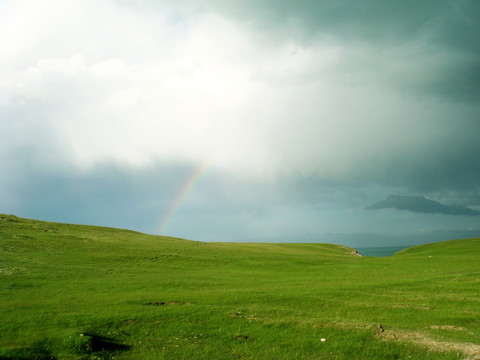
(85, 292)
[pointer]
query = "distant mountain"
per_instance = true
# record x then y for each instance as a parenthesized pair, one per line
(421, 204)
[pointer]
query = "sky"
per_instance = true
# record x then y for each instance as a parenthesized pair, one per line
(222, 120)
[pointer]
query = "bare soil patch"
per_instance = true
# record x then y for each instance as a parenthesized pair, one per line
(471, 351)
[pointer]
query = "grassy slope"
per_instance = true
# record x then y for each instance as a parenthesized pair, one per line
(135, 296)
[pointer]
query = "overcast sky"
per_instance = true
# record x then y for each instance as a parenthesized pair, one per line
(247, 120)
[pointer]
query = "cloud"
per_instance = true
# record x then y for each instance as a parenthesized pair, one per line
(305, 112)
(192, 82)
(421, 204)
(220, 207)
(418, 47)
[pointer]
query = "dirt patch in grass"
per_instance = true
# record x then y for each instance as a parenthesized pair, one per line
(242, 338)
(415, 307)
(249, 318)
(447, 327)
(162, 303)
(349, 325)
(9, 271)
(471, 351)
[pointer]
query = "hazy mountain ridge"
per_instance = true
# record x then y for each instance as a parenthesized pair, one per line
(420, 204)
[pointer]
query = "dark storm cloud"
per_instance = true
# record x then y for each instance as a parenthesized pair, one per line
(106, 195)
(220, 207)
(441, 36)
(450, 165)
(134, 198)
(445, 167)
(420, 204)
(423, 47)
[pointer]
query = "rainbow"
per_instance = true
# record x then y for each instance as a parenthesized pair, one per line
(182, 195)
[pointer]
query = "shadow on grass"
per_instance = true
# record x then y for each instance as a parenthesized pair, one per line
(30, 353)
(97, 343)
(82, 345)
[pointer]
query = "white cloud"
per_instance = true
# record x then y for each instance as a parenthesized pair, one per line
(109, 69)
(179, 98)
(106, 82)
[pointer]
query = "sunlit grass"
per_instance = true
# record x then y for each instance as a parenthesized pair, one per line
(83, 292)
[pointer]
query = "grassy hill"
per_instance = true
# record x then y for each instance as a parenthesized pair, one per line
(85, 292)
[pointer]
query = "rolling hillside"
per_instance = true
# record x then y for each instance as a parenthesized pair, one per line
(85, 292)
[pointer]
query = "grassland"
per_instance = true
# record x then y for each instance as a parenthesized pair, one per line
(84, 292)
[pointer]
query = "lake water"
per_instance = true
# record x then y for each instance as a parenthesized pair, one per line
(381, 251)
